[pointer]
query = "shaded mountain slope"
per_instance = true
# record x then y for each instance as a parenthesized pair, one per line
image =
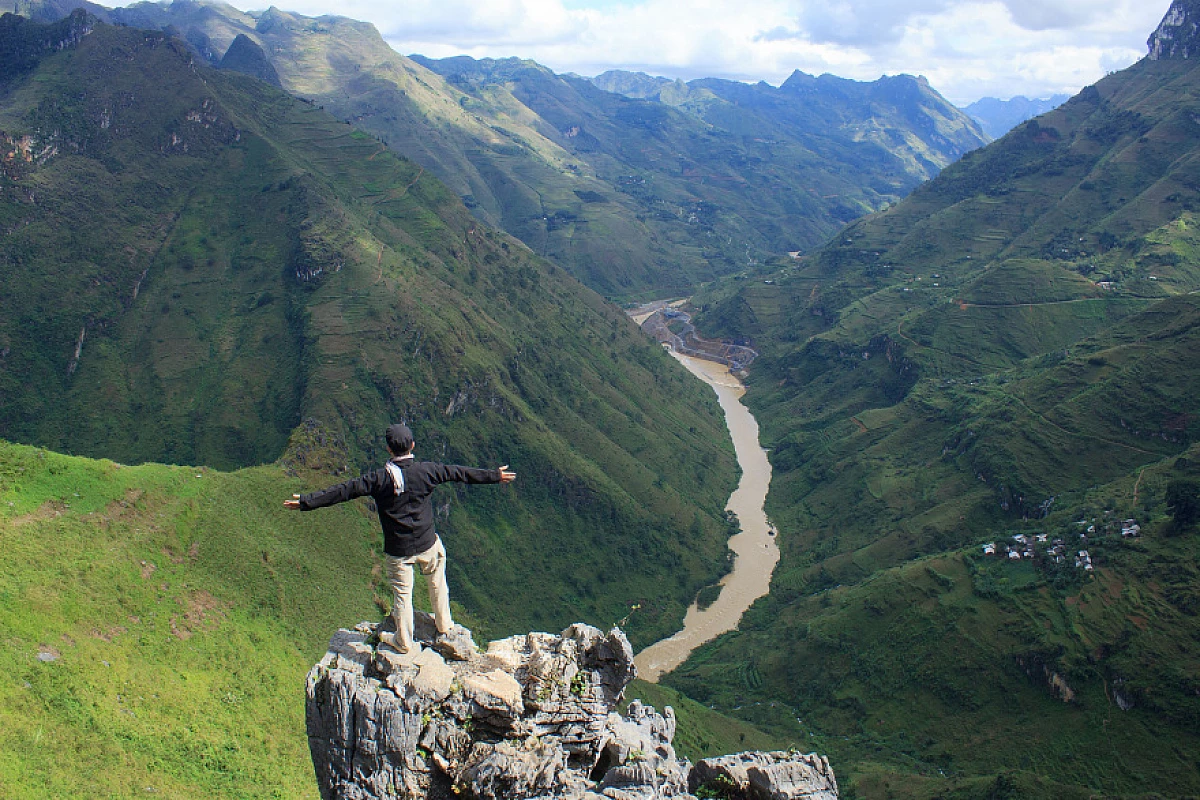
(1009, 350)
(629, 195)
(199, 268)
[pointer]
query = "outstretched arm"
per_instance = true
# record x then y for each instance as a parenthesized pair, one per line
(442, 473)
(359, 487)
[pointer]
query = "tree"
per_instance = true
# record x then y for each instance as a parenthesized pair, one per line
(1183, 501)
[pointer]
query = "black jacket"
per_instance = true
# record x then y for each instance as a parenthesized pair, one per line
(407, 518)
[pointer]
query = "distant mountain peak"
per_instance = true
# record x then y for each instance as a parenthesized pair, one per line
(1178, 35)
(247, 56)
(997, 117)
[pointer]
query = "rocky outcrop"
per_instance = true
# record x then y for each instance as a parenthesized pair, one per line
(771, 776)
(531, 717)
(1178, 35)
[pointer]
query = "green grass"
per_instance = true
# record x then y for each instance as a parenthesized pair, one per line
(175, 611)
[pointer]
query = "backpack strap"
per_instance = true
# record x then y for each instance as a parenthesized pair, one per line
(397, 476)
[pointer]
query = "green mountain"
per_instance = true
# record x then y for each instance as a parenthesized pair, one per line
(631, 196)
(245, 56)
(199, 268)
(1009, 351)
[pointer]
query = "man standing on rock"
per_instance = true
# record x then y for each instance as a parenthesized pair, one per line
(401, 490)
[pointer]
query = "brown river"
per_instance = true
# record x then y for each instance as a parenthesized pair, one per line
(755, 550)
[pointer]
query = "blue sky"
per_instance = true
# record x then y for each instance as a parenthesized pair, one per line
(966, 48)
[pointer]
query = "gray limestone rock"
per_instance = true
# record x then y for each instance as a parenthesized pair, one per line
(1178, 35)
(532, 717)
(768, 776)
(456, 645)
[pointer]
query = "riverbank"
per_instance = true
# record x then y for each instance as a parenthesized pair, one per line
(670, 325)
(755, 550)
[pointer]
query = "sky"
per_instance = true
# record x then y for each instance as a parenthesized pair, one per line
(966, 48)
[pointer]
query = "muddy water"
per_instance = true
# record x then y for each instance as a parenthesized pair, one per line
(755, 549)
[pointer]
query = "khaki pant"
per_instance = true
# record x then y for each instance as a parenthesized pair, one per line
(432, 564)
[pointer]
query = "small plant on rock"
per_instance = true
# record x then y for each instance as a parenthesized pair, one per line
(720, 788)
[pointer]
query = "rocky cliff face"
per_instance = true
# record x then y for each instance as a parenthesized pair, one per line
(1178, 35)
(531, 717)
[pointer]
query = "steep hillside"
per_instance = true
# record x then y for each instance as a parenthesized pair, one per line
(965, 675)
(1010, 350)
(198, 268)
(631, 196)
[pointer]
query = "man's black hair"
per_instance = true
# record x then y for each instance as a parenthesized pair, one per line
(399, 439)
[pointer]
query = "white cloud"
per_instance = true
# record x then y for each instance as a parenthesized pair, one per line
(1041, 15)
(862, 22)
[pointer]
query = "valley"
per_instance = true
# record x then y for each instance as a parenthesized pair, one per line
(234, 246)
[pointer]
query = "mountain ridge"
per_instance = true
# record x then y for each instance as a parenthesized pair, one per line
(633, 198)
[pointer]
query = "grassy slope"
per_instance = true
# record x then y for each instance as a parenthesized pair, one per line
(936, 374)
(945, 667)
(291, 270)
(182, 607)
